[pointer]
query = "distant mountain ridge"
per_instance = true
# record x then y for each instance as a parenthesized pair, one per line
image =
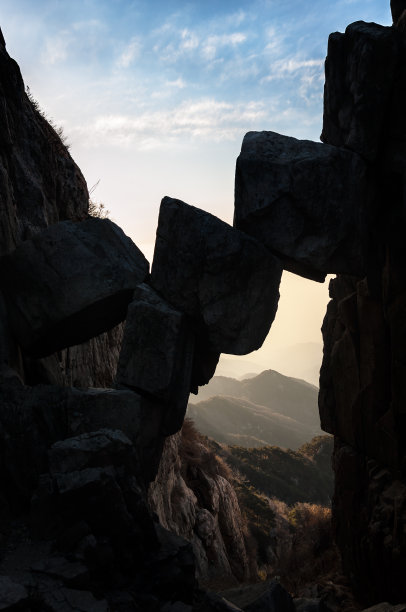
(268, 409)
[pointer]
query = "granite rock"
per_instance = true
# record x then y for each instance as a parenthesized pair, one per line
(304, 201)
(365, 90)
(75, 281)
(157, 354)
(224, 280)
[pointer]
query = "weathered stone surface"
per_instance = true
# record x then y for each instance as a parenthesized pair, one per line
(369, 515)
(75, 281)
(216, 603)
(73, 574)
(365, 89)
(386, 607)
(89, 449)
(91, 364)
(397, 8)
(157, 354)
(32, 419)
(39, 182)
(304, 201)
(12, 595)
(201, 506)
(220, 277)
(276, 599)
(61, 599)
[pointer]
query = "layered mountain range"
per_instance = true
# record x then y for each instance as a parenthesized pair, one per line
(268, 409)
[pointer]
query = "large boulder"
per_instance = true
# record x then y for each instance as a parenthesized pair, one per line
(157, 353)
(304, 201)
(224, 280)
(365, 89)
(75, 281)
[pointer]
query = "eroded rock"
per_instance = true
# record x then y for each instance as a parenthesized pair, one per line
(12, 595)
(75, 281)
(365, 89)
(304, 201)
(223, 279)
(157, 354)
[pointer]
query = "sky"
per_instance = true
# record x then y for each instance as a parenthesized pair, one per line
(155, 98)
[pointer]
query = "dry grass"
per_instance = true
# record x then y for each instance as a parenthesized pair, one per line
(305, 550)
(194, 452)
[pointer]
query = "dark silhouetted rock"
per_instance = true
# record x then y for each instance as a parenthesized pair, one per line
(157, 354)
(40, 183)
(304, 201)
(89, 449)
(397, 8)
(75, 281)
(223, 279)
(73, 574)
(276, 599)
(12, 595)
(216, 603)
(365, 89)
(62, 599)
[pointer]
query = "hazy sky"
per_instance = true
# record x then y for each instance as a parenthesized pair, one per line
(156, 96)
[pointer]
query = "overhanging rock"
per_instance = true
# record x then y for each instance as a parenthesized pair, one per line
(70, 283)
(304, 201)
(223, 279)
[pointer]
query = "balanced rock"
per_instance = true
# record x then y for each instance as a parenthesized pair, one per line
(223, 279)
(75, 281)
(364, 90)
(304, 201)
(157, 353)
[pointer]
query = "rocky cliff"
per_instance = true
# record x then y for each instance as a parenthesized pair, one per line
(75, 463)
(362, 382)
(194, 497)
(76, 459)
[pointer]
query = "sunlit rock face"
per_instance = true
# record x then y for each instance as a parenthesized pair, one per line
(305, 201)
(362, 380)
(200, 505)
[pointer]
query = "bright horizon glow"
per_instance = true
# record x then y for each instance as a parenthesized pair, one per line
(155, 98)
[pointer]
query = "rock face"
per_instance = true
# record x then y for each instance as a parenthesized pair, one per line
(39, 182)
(193, 498)
(224, 280)
(397, 8)
(157, 354)
(362, 396)
(306, 202)
(75, 281)
(75, 463)
(362, 109)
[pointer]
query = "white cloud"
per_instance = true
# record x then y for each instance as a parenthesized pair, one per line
(189, 40)
(201, 119)
(56, 48)
(130, 53)
(179, 83)
(223, 40)
(285, 67)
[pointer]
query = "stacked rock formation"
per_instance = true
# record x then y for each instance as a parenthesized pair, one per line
(76, 463)
(339, 208)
